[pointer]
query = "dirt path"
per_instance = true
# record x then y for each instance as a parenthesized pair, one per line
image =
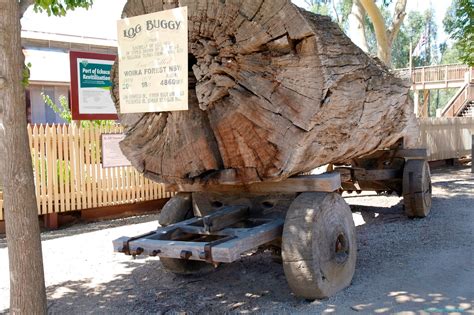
(412, 266)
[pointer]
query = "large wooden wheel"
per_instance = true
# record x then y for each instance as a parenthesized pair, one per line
(319, 246)
(177, 209)
(417, 188)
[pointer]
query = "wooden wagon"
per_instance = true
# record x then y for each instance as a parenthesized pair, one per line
(303, 218)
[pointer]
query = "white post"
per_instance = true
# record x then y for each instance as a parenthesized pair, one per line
(411, 63)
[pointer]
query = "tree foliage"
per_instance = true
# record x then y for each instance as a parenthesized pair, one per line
(337, 10)
(60, 7)
(459, 24)
(63, 110)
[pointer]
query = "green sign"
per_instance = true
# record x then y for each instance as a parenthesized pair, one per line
(94, 75)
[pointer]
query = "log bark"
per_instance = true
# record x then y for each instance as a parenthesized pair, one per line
(274, 91)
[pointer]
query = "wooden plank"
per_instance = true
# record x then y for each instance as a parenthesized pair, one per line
(1, 206)
(54, 161)
(100, 179)
(327, 182)
(36, 167)
(224, 217)
(123, 185)
(142, 188)
(105, 177)
(133, 184)
(61, 168)
(147, 188)
(49, 167)
(347, 174)
(43, 171)
(81, 170)
(88, 166)
(109, 172)
(155, 190)
(128, 194)
(229, 251)
(76, 196)
(412, 153)
(114, 176)
(93, 165)
(67, 174)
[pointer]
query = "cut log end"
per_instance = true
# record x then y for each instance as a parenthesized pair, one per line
(274, 91)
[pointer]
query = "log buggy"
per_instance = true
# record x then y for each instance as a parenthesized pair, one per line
(303, 219)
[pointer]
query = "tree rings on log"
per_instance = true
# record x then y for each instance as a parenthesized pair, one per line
(274, 91)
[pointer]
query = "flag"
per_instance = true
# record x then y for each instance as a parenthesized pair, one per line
(422, 42)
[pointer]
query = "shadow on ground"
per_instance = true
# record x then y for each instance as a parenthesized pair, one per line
(250, 285)
(83, 227)
(413, 266)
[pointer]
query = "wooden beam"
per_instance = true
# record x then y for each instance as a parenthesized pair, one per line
(327, 182)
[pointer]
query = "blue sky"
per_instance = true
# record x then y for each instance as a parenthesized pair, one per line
(100, 21)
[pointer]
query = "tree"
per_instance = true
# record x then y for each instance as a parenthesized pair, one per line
(385, 36)
(415, 24)
(357, 21)
(356, 13)
(337, 10)
(64, 111)
(458, 23)
(27, 288)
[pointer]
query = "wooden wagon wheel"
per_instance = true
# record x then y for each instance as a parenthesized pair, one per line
(417, 188)
(177, 209)
(319, 248)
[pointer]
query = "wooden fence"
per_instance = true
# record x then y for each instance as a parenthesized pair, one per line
(447, 138)
(69, 176)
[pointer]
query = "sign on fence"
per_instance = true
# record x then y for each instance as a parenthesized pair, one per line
(90, 86)
(112, 155)
(153, 59)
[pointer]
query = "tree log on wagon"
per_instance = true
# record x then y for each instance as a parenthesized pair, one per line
(274, 90)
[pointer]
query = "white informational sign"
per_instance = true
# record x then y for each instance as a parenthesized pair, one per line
(94, 86)
(153, 62)
(91, 85)
(112, 156)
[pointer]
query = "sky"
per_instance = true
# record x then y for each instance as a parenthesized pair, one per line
(440, 7)
(100, 20)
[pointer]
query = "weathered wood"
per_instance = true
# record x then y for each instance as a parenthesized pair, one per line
(159, 244)
(274, 91)
(327, 182)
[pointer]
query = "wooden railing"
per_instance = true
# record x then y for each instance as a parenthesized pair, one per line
(447, 138)
(442, 73)
(457, 103)
(437, 76)
(68, 173)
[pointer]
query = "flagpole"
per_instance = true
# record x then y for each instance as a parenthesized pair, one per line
(410, 63)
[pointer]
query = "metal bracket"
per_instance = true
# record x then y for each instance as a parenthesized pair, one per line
(139, 250)
(207, 254)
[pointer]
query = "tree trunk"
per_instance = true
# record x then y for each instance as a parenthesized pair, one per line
(357, 25)
(274, 91)
(27, 290)
(384, 48)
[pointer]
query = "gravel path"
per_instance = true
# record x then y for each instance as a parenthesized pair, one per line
(407, 266)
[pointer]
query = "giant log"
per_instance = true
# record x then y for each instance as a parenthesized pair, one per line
(274, 91)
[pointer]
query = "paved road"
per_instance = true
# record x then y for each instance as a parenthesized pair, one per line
(404, 266)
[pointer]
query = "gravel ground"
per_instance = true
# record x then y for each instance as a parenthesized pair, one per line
(404, 266)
